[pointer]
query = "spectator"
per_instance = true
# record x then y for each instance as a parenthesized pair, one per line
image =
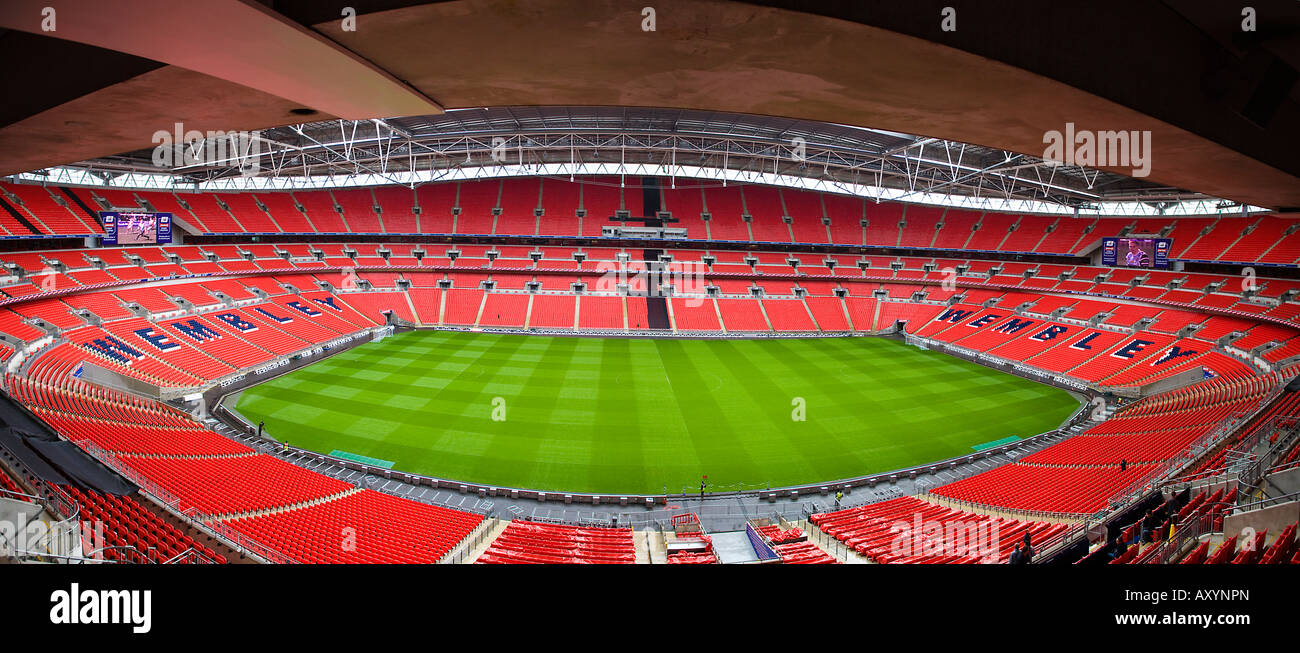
(1123, 466)
(1027, 553)
(1015, 555)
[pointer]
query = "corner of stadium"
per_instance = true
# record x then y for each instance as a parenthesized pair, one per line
(699, 283)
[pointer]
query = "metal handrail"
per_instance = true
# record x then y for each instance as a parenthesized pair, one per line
(144, 559)
(189, 556)
(1265, 503)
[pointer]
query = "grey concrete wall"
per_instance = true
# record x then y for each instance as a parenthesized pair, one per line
(1173, 382)
(1272, 518)
(92, 373)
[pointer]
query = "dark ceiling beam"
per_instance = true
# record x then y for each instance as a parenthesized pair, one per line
(1187, 63)
(235, 40)
(829, 61)
(62, 71)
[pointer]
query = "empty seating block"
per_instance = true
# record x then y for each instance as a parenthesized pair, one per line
(596, 312)
(694, 314)
(504, 309)
(364, 527)
(127, 523)
(788, 315)
(236, 485)
(908, 530)
(553, 311)
(742, 315)
(534, 543)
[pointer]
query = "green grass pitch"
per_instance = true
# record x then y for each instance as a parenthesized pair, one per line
(636, 416)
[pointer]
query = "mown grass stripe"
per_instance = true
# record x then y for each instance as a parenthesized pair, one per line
(638, 416)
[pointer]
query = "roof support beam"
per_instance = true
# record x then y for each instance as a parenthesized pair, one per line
(235, 40)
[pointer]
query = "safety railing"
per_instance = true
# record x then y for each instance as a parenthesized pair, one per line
(1266, 503)
(1287, 431)
(762, 549)
(1186, 533)
(63, 532)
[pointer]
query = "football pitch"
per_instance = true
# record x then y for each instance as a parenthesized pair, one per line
(638, 416)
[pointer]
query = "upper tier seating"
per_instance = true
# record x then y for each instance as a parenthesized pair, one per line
(1100, 355)
(178, 350)
(1257, 239)
(50, 210)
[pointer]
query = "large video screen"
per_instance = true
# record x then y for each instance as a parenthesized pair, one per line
(1136, 252)
(136, 227)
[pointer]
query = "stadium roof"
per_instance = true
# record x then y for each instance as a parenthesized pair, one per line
(613, 140)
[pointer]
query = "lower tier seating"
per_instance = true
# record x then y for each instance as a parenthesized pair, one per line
(703, 557)
(1083, 473)
(1032, 488)
(534, 543)
(910, 530)
(8, 484)
(364, 527)
(235, 484)
(126, 523)
(803, 553)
